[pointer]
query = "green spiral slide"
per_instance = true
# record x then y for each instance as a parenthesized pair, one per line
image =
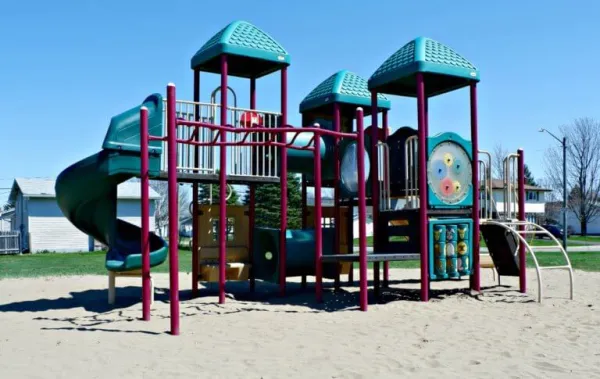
(86, 191)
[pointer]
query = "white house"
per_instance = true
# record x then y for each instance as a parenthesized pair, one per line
(535, 204)
(43, 225)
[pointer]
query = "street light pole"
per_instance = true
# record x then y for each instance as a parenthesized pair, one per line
(563, 142)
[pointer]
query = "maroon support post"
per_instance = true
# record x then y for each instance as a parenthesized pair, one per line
(422, 148)
(475, 277)
(304, 215)
(318, 215)
(386, 264)
(336, 189)
(195, 247)
(173, 209)
(252, 198)
(522, 256)
(283, 185)
(223, 183)
(362, 209)
(145, 183)
(375, 180)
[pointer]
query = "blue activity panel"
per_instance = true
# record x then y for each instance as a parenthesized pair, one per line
(450, 248)
(449, 171)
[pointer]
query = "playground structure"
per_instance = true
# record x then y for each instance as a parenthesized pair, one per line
(424, 191)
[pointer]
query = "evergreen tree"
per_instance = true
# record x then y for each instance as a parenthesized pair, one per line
(529, 179)
(204, 194)
(268, 204)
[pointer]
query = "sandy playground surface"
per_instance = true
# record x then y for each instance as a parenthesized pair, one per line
(63, 328)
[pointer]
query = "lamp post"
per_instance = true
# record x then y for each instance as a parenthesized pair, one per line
(563, 142)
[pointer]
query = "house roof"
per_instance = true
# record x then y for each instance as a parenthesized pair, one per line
(499, 184)
(44, 187)
(7, 214)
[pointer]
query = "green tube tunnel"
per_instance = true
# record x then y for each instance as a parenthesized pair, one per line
(300, 253)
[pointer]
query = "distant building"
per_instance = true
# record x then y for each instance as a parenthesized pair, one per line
(43, 226)
(535, 203)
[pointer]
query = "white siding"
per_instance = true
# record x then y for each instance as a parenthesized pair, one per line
(50, 230)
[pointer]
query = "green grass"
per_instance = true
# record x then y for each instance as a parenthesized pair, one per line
(54, 264)
(585, 238)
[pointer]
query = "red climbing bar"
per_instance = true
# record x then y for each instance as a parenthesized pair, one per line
(195, 242)
(145, 240)
(283, 185)
(318, 231)
(336, 188)
(362, 209)
(252, 200)
(223, 184)
(384, 116)
(522, 252)
(475, 277)
(173, 209)
(422, 164)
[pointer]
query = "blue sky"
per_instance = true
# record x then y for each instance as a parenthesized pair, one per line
(66, 67)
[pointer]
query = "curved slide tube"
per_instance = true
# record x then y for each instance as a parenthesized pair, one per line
(86, 193)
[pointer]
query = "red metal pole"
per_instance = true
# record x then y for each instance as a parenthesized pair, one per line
(336, 188)
(252, 198)
(304, 215)
(386, 264)
(362, 209)
(522, 252)
(145, 183)
(195, 242)
(475, 277)
(173, 209)
(223, 184)
(375, 181)
(318, 215)
(283, 185)
(422, 148)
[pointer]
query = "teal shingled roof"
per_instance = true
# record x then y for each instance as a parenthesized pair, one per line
(251, 51)
(342, 87)
(444, 69)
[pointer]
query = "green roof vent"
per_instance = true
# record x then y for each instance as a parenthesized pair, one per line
(444, 69)
(342, 87)
(252, 53)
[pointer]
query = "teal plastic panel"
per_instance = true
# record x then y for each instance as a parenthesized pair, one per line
(124, 130)
(433, 199)
(450, 248)
(427, 56)
(241, 38)
(342, 87)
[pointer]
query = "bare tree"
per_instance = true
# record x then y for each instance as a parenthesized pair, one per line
(161, 215)
(583, 169)
(498, 161)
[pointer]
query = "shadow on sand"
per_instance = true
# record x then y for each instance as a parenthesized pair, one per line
(265, 295)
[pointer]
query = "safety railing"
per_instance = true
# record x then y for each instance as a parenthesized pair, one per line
(486, 203)
(511, 186)
(202, 159)
(411, 172)
(383, 165)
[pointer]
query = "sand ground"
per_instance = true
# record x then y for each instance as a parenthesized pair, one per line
(63, 328)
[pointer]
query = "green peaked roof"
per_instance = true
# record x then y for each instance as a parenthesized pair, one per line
(342, 87)
(251, 52)
(444, 69)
